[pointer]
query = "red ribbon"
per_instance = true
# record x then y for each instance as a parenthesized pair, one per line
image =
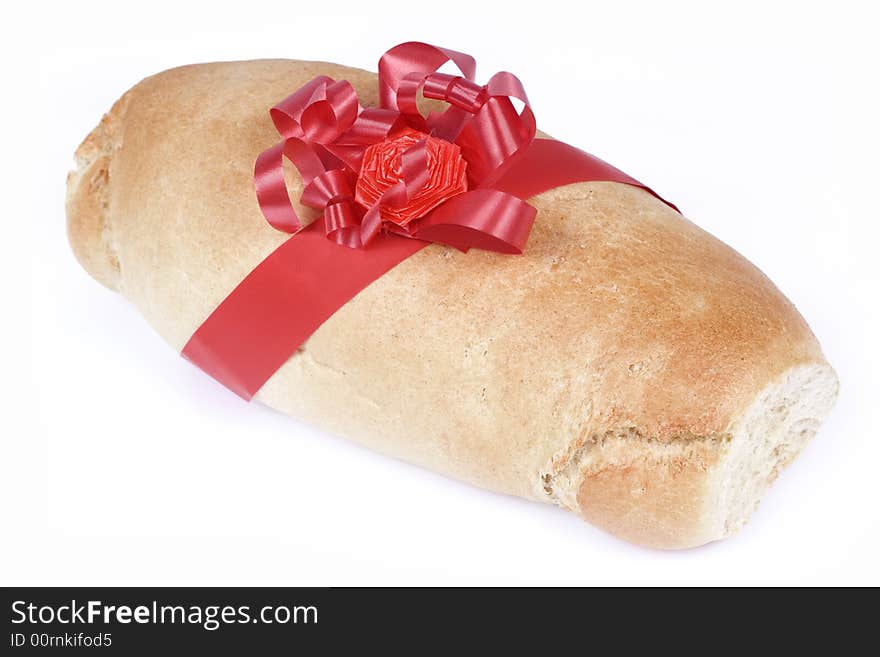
(325, 135)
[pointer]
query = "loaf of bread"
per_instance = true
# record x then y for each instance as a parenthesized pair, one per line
(628, 366)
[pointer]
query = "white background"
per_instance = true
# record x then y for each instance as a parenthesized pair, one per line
(122, 464)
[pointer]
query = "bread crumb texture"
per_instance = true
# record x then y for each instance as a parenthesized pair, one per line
(689, 490)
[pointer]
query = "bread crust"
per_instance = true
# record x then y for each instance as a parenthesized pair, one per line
(88, 225)
(622, 316)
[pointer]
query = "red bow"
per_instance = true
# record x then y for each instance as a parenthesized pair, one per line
(326, 134)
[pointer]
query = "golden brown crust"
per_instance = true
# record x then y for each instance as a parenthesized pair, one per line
(88, 229)
(653, 502)
(485, 367)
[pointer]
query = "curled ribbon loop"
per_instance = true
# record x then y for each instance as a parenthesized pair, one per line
(486, 219)
(415, 60)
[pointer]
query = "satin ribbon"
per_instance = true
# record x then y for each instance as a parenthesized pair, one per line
(325, 133)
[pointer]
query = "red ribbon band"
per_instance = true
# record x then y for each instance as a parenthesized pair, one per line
(326, 133)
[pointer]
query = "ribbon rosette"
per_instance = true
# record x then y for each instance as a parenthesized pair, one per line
(391, 169)
(389, 179)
